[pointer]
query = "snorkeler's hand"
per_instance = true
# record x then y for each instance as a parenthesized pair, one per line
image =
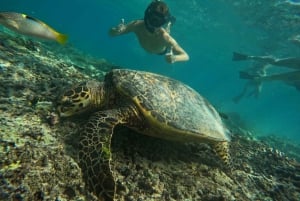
(170, 58)
(118, 29)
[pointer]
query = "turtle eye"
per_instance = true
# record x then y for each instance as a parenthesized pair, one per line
(66, 102)
(78, 89)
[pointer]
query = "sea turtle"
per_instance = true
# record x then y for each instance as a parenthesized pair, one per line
(150, 104)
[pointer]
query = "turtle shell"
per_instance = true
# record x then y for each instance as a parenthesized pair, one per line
(170, 108)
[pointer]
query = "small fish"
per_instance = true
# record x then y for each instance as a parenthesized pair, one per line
(30, 26)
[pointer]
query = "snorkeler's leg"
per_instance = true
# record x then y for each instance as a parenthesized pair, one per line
(265, 59)
(246, 75)
(237, 98)
(291, 62)
(257, 89)
(240, 57)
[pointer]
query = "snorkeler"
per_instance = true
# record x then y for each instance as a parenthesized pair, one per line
(152, 36)
(289, 62)
(290, 78)
(254, 86)
(30, 26)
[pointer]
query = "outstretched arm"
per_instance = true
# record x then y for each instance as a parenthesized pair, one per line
(123, 28)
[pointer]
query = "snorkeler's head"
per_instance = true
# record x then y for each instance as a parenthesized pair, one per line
(156, 15)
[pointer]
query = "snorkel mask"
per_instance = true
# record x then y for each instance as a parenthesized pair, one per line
(156, 15)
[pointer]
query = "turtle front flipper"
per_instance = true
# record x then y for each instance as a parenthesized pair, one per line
(95, 151)
(222, 150)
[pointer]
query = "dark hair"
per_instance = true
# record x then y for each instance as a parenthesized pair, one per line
(156, 15)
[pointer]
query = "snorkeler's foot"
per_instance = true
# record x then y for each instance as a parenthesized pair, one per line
(238, 56)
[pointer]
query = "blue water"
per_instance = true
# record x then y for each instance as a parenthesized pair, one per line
(209, 31)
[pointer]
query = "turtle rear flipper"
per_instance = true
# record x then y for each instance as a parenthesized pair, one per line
(95, 151)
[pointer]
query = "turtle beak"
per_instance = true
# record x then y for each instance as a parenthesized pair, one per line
(64, 108)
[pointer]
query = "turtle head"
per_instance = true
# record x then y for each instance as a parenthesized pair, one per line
(80, 98)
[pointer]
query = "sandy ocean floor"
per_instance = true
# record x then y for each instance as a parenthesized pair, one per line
(38, 151)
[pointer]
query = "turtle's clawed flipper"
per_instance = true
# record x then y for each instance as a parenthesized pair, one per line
(95, 152)
(222, 150)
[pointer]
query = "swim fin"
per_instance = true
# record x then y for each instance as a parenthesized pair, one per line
(238, 56)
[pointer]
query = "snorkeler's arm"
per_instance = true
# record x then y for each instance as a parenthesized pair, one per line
(123, 28)
(179, 54)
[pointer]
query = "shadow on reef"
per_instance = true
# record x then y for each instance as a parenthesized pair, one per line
(148, 168)
(38, 155)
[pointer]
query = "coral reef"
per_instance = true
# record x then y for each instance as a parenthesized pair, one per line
(38, 152)
(34, 164)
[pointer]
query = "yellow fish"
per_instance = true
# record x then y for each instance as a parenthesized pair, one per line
(30, 26)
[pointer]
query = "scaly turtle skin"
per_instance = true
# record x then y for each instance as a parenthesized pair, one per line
(149, 103)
